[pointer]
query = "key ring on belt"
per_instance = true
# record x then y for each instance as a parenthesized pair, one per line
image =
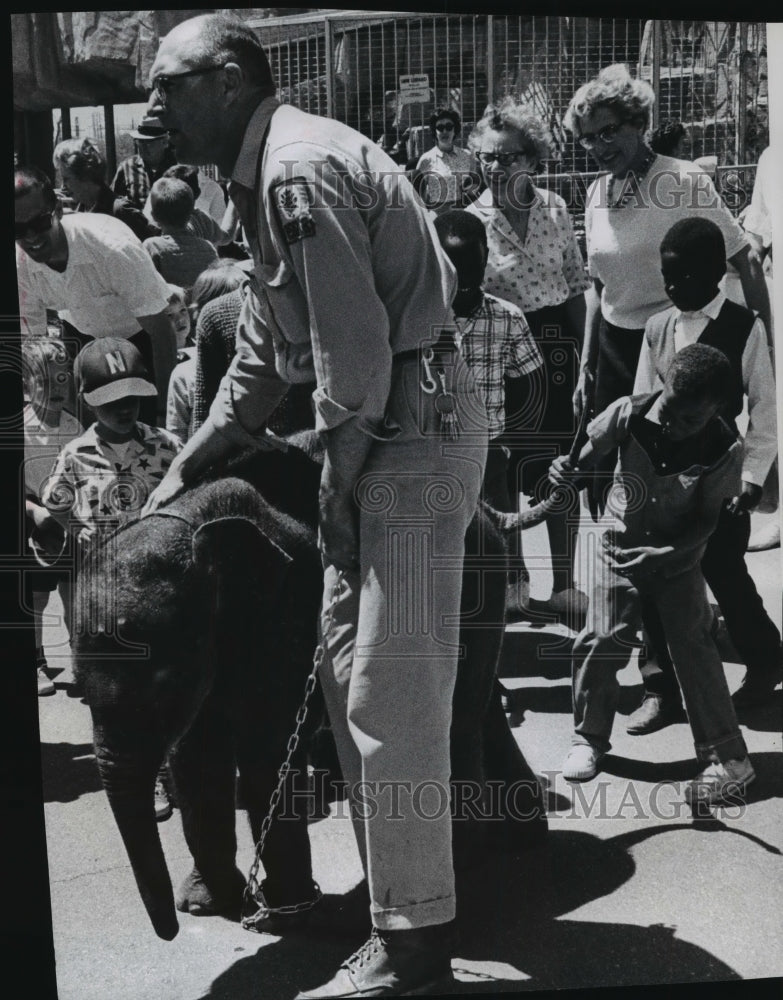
(429, 385)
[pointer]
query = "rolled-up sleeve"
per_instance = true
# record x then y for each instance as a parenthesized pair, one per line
(610, 428)
(315, 217)
(252, 388)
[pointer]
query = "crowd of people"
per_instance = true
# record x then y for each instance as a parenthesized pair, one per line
(447, 331)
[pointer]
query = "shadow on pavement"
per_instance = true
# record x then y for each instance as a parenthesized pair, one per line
(509, 914)
(69, 771)
(764, 718)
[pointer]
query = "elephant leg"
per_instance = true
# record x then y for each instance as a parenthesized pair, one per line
(472, 691)
(286, 858)
(203, 769)
(519, 801)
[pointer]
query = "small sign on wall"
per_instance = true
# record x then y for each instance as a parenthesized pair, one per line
(414, 89)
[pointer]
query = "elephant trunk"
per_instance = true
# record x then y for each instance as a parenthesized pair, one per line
(129, 780)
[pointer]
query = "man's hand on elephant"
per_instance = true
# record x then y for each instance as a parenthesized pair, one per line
(169, 487)
(338, 534)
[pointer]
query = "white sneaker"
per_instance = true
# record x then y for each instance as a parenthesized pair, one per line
(765, 537)
(582, 763)
(719, 781)
(45, 685)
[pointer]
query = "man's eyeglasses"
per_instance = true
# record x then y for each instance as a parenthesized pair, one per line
(504, 159)
(444, 128)
(161, 85)
(38, 224)
(607, 135)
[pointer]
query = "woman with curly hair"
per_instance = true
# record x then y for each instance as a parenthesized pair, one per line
(82, 168)
(534, 262)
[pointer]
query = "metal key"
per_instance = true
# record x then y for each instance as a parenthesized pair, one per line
(446, 405)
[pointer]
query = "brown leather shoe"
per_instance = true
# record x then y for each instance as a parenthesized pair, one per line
(654, 713)
(393, 964)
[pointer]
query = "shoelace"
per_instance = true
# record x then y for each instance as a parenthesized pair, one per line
(370, 947)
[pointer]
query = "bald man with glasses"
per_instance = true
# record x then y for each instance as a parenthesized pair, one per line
(351, 290)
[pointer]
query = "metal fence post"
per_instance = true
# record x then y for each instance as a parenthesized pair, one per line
(656, 73)
(490, 59)
(110, 139)
(742, 95)
(328, 50)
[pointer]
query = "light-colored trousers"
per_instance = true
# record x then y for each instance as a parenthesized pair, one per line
(391, 642)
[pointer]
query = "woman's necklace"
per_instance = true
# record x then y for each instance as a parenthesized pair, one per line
(630, 183)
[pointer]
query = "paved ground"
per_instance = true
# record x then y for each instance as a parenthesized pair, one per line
(626, 891)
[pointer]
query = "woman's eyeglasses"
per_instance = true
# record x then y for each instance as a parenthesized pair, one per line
(504, 159)
(607, 135)
(37, 225)
(444, 128)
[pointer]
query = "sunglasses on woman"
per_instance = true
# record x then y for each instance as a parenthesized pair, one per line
(504, 159)
(37, 225)
(444, 128)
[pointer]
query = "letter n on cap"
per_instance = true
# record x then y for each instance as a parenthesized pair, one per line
(116, 362)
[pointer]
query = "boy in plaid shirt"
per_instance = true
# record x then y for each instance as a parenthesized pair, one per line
(493, 336)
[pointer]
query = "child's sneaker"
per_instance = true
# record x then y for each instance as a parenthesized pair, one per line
(582, 763)
(163, 807)
(722, 780)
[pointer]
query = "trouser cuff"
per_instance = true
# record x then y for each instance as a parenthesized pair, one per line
(401, 918)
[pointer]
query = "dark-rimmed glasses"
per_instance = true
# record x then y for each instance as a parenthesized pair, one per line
(607, 135)
(161, 85)
(446, 127)
(504, 159)
(37, 225)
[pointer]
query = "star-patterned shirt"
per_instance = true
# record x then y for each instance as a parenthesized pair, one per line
(547, 269)
(496, 342)
(95, 484)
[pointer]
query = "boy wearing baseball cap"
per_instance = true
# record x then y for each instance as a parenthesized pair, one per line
(102, 479)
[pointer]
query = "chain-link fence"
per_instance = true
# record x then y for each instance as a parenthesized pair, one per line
(385, 73)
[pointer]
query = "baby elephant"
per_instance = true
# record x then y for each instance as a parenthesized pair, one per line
(195, 636)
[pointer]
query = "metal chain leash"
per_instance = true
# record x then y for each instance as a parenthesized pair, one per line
(254, 893)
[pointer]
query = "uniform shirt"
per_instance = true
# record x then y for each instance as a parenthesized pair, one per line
(446, 173)
(102, 485)
(673, 490)
(496, 342)
(348, 272)
(108, 282)
(623, 244)
(547, 269)
(42, 445)
(758, 382)
(181, 256)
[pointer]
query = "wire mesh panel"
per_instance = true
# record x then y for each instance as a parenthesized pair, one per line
(385, 73)
(712, 77)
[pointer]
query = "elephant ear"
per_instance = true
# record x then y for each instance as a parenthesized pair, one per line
(239, 558)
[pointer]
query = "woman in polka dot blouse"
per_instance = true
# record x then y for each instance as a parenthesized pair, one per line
(534, 261)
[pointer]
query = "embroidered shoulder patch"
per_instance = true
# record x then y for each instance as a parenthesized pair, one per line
(293, 200)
